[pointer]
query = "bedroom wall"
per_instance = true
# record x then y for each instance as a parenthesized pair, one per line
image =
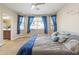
(68, 19)
(13, 16)
(1, 37)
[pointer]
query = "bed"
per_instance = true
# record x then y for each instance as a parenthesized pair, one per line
(44, 46)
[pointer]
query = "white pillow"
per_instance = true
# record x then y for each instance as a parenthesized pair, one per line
(54, 33)
(65, 33)
(62, 32)
(73, 45)
(62, 40)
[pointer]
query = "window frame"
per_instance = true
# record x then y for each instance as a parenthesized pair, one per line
(37, 25)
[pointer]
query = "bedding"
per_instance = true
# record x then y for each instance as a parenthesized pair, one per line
(48, 47)
(26, 49)
(43, 45)
(73, 45)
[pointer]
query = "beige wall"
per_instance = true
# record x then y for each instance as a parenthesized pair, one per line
(68, 19)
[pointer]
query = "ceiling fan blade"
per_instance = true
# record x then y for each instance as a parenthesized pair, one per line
(37, 4)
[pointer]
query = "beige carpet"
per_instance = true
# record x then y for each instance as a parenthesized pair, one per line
(11, 47)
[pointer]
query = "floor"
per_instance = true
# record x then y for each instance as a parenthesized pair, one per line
(11, 47)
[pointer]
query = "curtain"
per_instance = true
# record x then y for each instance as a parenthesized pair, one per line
(20, 18)
(44, 18)
(54, 23)
(30, 20)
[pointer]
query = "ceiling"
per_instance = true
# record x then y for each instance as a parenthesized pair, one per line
(26, 8)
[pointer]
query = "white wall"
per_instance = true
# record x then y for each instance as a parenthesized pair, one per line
(68, 19)
(1, 37)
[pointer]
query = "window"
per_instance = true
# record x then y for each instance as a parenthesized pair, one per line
(37, 23)
(22, 24)
(51, 23)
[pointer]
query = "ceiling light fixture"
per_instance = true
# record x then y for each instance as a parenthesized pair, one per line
(35, 5)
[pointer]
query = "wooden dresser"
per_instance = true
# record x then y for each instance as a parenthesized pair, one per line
(7, 34)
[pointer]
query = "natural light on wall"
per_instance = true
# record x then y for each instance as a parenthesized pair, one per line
(37, 23)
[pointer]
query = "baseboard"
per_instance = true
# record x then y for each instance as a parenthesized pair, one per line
(18, 37)
(1, 43)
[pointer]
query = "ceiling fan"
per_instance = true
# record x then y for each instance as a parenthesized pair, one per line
(38, 4)
(35, 5)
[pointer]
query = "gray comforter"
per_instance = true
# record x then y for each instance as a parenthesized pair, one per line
(44, 46)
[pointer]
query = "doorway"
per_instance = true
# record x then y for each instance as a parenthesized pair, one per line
(6, 26)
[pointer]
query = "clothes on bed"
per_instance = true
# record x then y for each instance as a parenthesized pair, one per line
(26, 49)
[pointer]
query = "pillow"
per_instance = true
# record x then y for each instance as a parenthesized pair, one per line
(62, 32)
(65, 33)
(55, 38)
(62, 38)
(54, 34)
(72, 45)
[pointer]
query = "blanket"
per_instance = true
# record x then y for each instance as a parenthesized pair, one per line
(26, 49)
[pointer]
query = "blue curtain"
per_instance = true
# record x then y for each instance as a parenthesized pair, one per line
(30, 20)
(54, 23)
(44, 18)
(20, 18)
